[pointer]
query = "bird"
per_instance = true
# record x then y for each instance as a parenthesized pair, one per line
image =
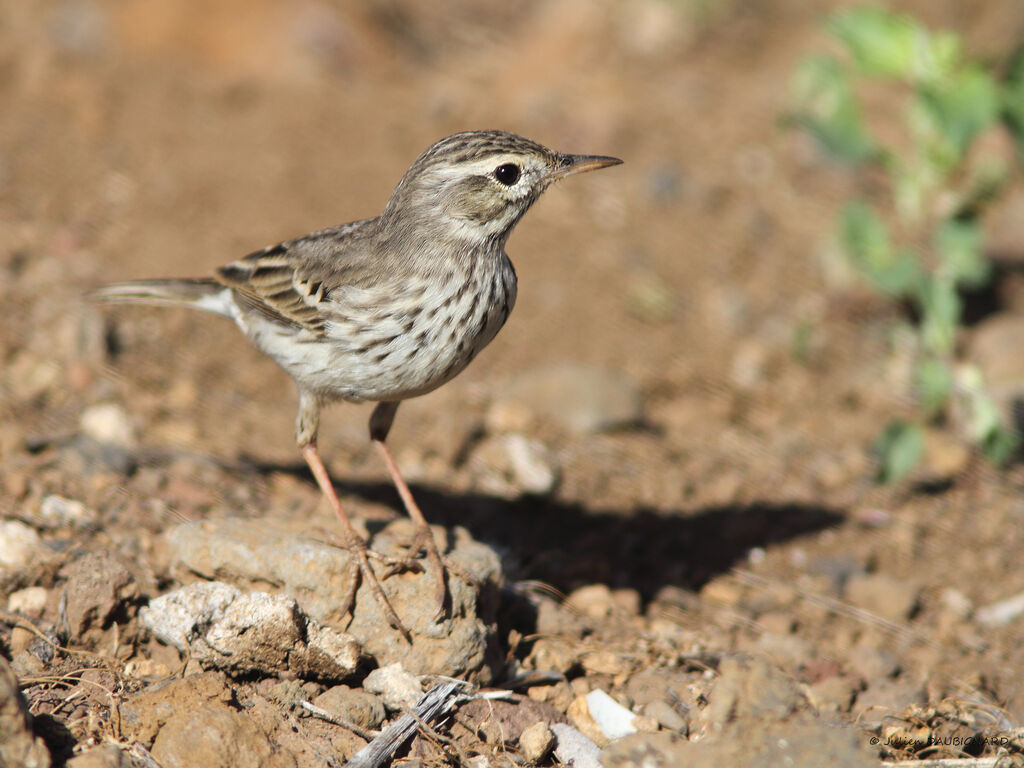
(387, 308)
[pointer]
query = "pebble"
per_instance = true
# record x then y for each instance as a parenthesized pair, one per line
(220, 626)
(19, 545)
(581, 399)
(575, 749)
(359, 706)
(886, 596)
(666, 716)
(535, 742)
(595, 601)
(614, 720)
(108, 423)
(1002, 612)
(98, 583)
(510, 466)
(103, 756)
(30, 601)
(59, 512)
(397, 688)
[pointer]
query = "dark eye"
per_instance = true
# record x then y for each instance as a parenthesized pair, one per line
(507, 174)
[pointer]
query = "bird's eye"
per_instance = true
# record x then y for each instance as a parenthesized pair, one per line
(507, 174)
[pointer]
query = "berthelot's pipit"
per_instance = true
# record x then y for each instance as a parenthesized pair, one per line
(387, 308)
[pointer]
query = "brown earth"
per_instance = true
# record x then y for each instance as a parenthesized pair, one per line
(736, 521)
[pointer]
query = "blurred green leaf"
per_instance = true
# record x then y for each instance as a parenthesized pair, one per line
(899, 449)
(883, 43)
(959, 247)
(940, 314)
(961, 106)
(934, 382)
(865, 240)
(827, 109)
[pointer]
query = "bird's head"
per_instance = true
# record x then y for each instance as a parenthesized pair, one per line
(476, 185)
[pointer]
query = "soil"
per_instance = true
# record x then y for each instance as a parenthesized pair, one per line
(730, 530)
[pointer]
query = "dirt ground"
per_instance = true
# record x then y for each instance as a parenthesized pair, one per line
(714, 524)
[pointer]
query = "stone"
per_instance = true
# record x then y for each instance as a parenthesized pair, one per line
(358, 706)
(258, 553)
(614, 720)
(536, 741)
(398, 689)
(751, 689)
(30, 601)
(215, 736)
(574, 749)
(581, 399)
(511, 466)
(20, 545)
(19, 745)
(103, 756)
(59, 512)
(222, 627)
(108, 423)
(98, 584)
(884, 595)
(751, 744)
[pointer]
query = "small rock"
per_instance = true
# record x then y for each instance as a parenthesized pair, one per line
(398, 689)
(614, 720)
(993, 346)
(58, 512)
(891, 598)
(667, 716)
(554, 654)
(30, 601)
(1001, 613)
(886, 697)
(103, 756)
(832, 695)
(535, 742)
(19, 546)
(108, 423)
(19, 745)
(218, 737)
(98, 584)
(604, 662)
(223, 627)
(945, 455)
(956, 603)
(872, 664)
(359, 706)
(511, 466)
(579, 714)
(595, 601)
(575, 749)
(751, 689)
(579, 398)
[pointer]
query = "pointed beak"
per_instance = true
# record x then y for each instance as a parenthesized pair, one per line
(570, 164)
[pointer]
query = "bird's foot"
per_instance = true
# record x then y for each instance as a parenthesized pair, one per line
(361, 572)
(422, 546)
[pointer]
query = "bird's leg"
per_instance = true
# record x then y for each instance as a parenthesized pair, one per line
(380, 425)
(359, 570)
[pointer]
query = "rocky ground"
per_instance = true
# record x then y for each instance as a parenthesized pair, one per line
(656, 484)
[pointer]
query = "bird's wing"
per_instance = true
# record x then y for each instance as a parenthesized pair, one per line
(290, 282)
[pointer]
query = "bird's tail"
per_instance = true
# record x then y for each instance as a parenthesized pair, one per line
(199, 293)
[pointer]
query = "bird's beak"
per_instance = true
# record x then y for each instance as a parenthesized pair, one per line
(570, 164)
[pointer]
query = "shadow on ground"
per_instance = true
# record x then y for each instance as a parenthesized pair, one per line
(567, 546)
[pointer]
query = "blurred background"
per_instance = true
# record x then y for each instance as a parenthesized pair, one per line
(691, 339)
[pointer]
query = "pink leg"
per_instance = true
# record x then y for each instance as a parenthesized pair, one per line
(353, 543)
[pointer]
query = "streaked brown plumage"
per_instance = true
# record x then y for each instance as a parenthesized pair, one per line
(387, 308)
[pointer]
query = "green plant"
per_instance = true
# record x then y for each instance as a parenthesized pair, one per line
(937, 179)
